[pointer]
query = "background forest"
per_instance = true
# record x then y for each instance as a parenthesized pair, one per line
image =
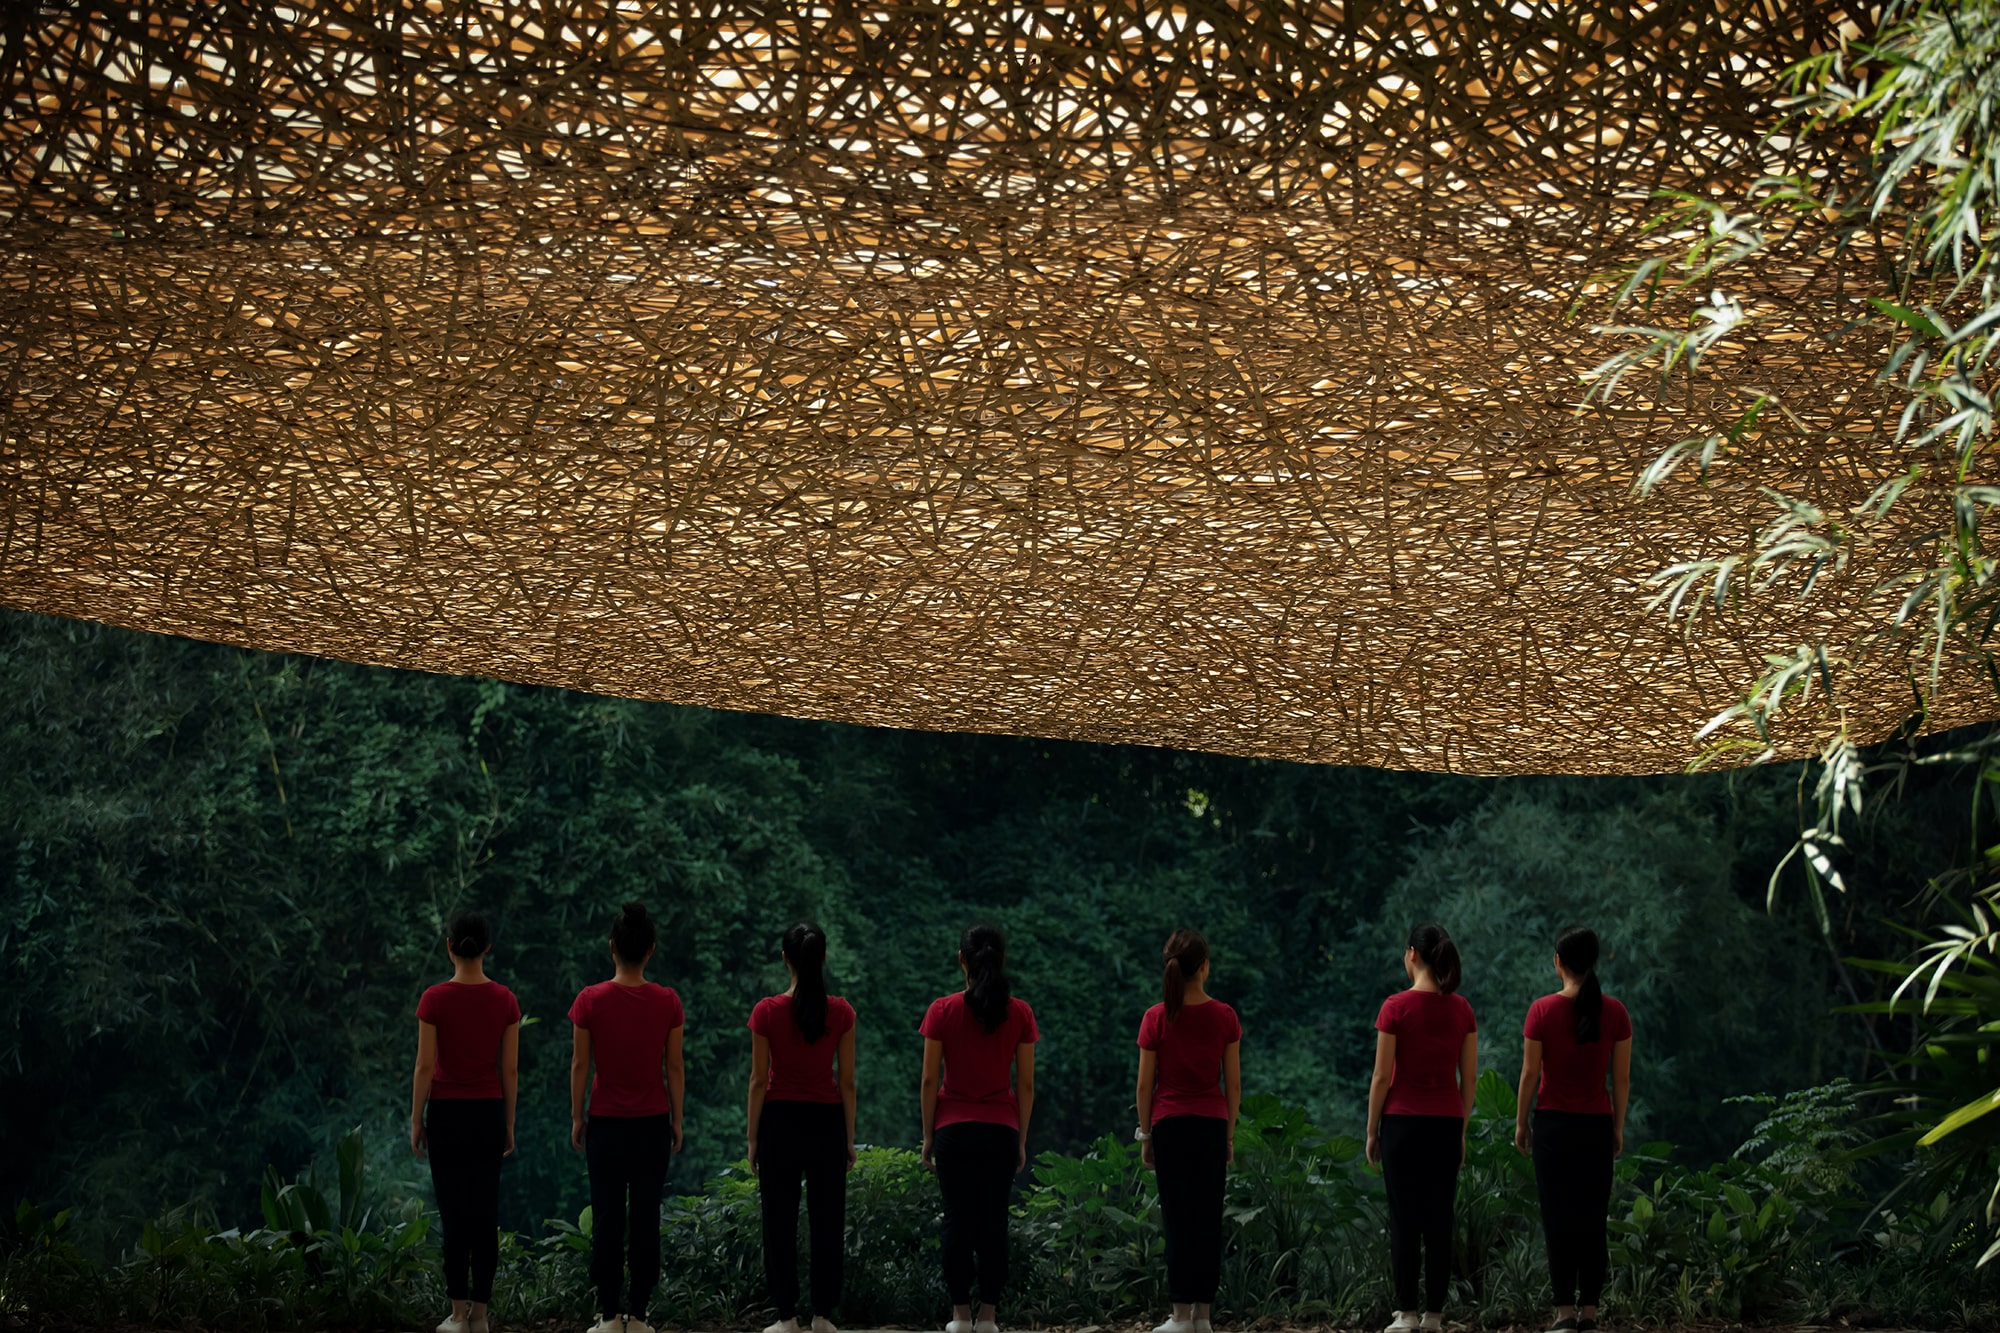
(225, 873)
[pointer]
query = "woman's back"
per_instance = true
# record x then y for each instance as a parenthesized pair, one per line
(629, 1027)
(471, 1020)
(1430, 1028)
(801, 1070)
(1574, 1072)
(978, 1064)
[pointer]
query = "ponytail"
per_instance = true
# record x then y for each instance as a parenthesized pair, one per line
(468, 935)
(1439, 955)
(633, 934)
(984, 952)
(804, 947)
(1577, 948)
(1185, 953)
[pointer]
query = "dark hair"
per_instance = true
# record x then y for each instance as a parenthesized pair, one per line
(468, 935)
(804, 947)
(1577, 947)
(1439, 954)
(633, 934)
(984, 950)
(1186, 951)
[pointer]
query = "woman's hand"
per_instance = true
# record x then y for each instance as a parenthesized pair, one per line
(419, 1140)
(1230, 1158)
(1146, 1153)
(1464, 1132)
(1373, 1150)
(929, 1165)
(852, 1156)
(1524, 1138)
(751, 1154)
(1618, 1140)
(677, 1135)
(509, 1151)
(1021, 1157)
(576, 1132)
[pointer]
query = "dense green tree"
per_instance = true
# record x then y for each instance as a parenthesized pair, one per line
(226, 874)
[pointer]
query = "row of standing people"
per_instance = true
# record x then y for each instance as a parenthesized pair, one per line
(976, 1103)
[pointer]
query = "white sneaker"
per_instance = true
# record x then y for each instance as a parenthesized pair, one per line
(1175, 1326)
(986, 1326)
(452, 1325)
(611, 1323)
(958, 1326)
(1433, 1323)
(633, 1325)
(821, 1324)
(1405, 1321)
(783, 1326)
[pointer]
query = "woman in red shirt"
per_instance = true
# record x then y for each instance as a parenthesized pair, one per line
(978, 1092)
(802, 1125)
(1426, 1066)
(1569, 1042)
(468, 1041)
(1188, 1044)
(630, 1029)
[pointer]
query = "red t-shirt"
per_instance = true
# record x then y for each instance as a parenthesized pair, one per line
(801, 1072)
(978, 1065)
(1430, 1029)
(470, 1018)
(1187, 1079)
(1573, 1072)
(628, 1027)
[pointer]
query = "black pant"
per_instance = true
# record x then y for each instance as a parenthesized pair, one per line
(628, 1157)
(803, 1141)
(975, 1170)
(1191, 1159)
(1573, 1177)
(1420, 1160)
(465, 1140)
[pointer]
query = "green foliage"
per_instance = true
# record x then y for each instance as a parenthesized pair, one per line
(1747, 1238)
(227, 874)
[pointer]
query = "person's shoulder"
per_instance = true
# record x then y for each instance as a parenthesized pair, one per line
(839, 1011)
(666, 997)
(1155, 1013)
(942, 1010)
(504, 996)
(1615, 1006)
(1460, 1003)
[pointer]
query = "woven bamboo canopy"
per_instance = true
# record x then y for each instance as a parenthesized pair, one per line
(1194, 375)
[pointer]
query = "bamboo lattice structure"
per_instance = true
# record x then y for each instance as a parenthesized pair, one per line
(1194, 375)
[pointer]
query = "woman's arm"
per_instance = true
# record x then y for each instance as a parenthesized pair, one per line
(510, 1077)
(420, 1083)
(1232, 1087)
(1524, 1095)
(676, 1081)
(1024, 1089)
(1149, 1062)
(1468, 1088)
(1378, 1092)
(579, 1082)
(1621, 1093)
(846, 1058)
(933, 1075)
(760, 1082)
